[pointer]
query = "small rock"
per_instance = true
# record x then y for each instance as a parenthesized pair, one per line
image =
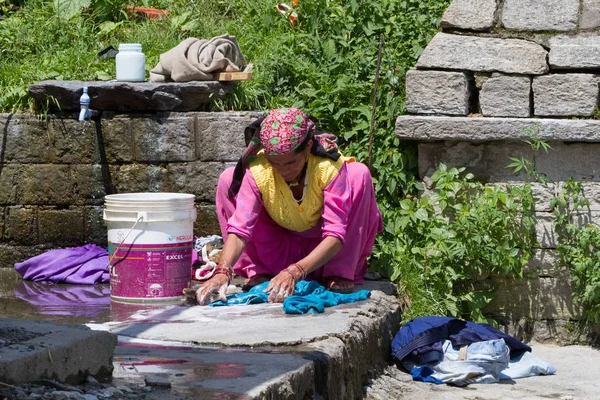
(157, 380)
(372, 276)
(63, 395)
(88, 396)
(92, 381)
(124, 389)
(111, 391)
(37, 389)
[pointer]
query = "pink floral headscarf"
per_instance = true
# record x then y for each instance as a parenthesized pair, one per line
(283, 130)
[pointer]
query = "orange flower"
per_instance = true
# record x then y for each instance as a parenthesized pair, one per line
(295, 2)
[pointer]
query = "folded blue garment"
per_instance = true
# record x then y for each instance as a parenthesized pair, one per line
(309, 297)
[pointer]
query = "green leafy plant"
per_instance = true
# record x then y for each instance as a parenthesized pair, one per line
(8, 7)
(578, 240)
(535, 142)
(67, 9)
(579, 247)
(448, 242)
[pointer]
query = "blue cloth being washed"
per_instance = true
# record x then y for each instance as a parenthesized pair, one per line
(309, 297)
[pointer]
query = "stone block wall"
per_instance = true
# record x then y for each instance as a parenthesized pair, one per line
(496, 71)
(55, 173)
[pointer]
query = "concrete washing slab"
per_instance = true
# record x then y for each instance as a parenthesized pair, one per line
(240, 352)
(256, 351)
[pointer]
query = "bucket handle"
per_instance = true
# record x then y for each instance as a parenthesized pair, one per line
(141, 217)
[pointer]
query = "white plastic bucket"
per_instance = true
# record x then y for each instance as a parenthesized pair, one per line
(150, 240)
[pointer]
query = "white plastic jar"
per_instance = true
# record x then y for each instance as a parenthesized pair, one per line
(131, 63)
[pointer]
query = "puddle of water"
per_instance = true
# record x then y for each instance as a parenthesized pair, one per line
(64, 303)
(69, 304)
(185, 368)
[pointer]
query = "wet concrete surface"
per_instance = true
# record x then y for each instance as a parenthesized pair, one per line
(238, 352)
(240, 325)
(201, 373)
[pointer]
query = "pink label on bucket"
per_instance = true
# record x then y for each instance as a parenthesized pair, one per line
(150, 271)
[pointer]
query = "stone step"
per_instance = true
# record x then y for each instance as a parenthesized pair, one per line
(479, 129)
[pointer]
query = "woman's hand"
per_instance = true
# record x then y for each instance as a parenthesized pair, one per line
(281, 286)
(217, 284)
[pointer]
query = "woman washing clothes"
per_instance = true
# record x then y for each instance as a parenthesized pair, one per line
(297, 209)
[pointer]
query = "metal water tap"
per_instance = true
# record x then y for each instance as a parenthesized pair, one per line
(84, 103)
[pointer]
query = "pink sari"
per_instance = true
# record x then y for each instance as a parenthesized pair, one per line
(349, 213)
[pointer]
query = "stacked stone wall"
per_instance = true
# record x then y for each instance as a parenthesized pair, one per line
(55, 172)
(497, 71)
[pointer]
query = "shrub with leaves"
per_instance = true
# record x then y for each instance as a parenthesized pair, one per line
(447, 242)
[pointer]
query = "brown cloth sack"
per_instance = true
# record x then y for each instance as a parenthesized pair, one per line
(196, 60)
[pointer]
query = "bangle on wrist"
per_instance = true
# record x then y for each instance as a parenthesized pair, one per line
(302, 271)
(224, 270)
(292, 273)
(225, 264)
(297, 272)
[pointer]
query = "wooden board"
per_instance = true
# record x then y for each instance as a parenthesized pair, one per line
(232, 76)
(244, 75)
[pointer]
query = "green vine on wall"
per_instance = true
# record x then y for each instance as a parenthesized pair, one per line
(578, 244)
(579, 247)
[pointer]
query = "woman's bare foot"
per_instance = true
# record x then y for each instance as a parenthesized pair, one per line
(255, 280)
(339, 285)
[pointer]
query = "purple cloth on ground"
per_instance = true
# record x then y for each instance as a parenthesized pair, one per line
(86, 265)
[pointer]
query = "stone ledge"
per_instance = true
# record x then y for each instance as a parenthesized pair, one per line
(478, 129)
(130, 96)
(42, 354)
